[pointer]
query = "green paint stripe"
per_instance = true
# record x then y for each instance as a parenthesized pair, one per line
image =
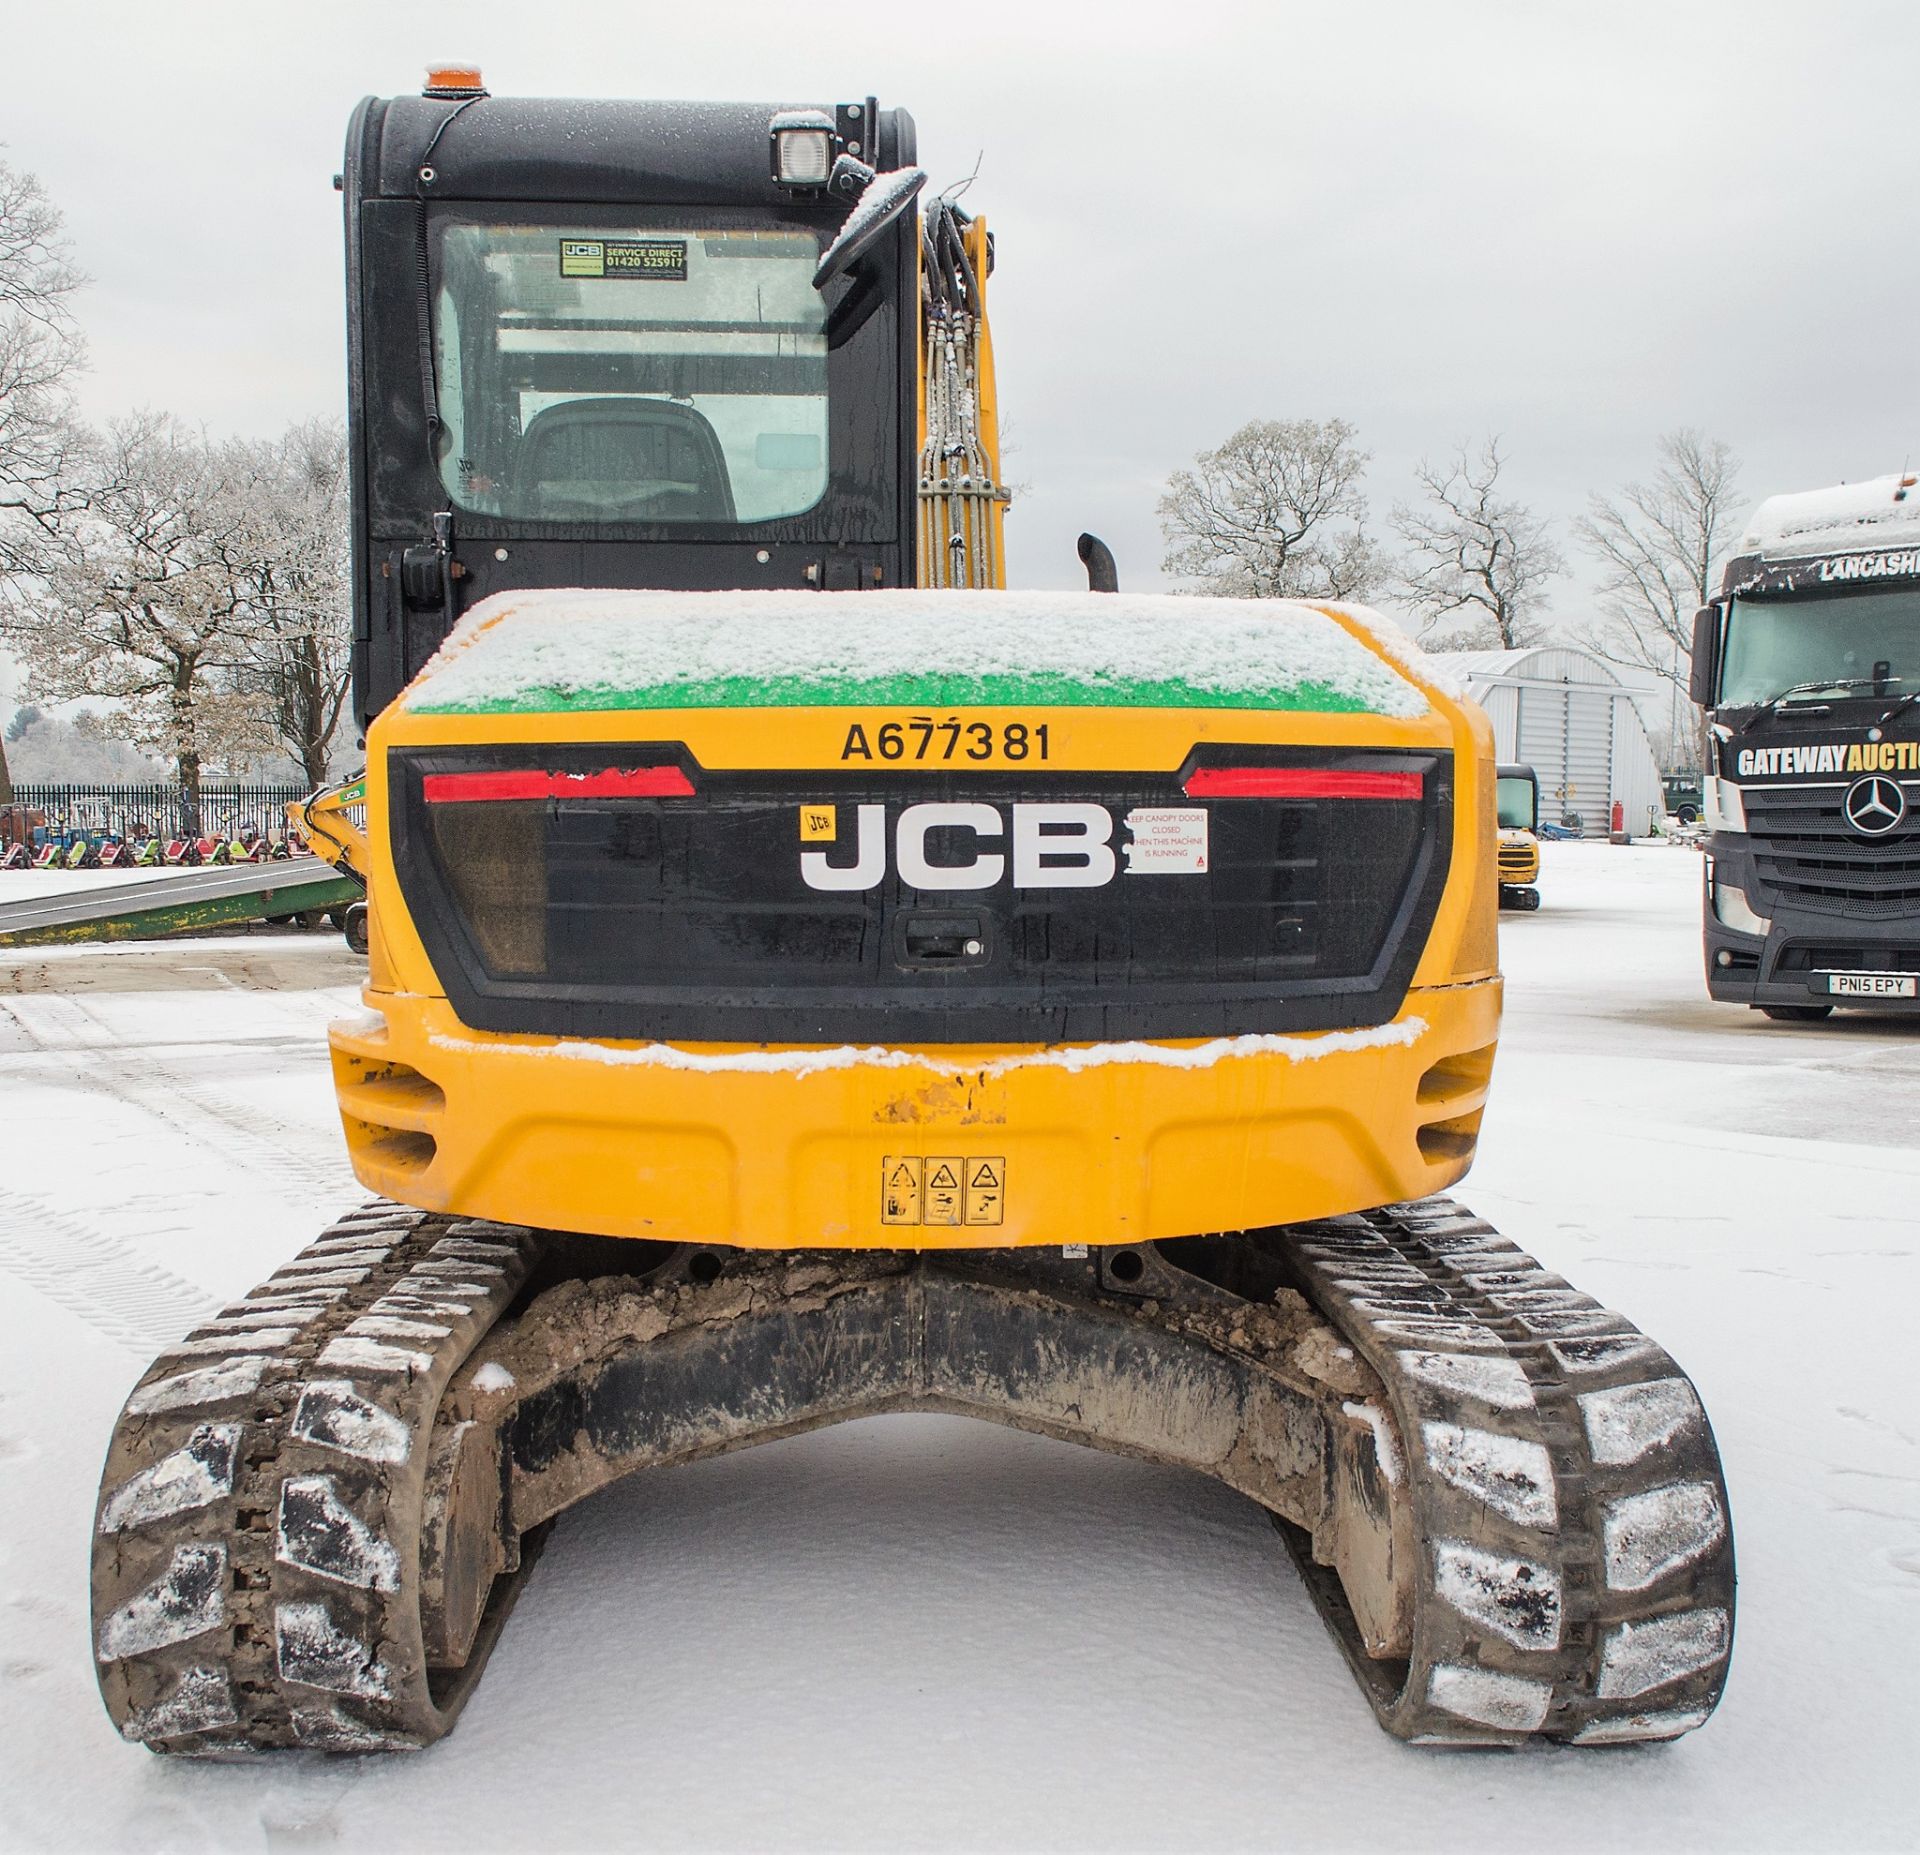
(1043, 689)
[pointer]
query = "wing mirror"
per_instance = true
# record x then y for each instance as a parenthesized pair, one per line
(879, 199)
(1706, 655)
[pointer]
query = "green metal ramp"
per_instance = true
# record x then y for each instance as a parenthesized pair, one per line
(182, 904)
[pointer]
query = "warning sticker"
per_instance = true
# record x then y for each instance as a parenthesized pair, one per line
(942, 1198)
(899, 1190)
(624, 257)
(986, 1191)
(942, 1190)
(818, 824)
(1167, 842)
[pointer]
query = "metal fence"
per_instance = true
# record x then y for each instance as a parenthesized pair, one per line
(160, 809)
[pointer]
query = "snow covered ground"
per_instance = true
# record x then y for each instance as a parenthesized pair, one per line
(921, 1632)
(31, 885)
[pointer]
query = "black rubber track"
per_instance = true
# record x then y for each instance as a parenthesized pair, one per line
(257, 1543)
(256, 1547)
(1576, 1576)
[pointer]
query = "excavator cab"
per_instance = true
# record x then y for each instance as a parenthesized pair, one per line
(588, 346)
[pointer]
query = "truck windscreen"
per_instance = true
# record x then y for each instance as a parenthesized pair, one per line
(648, 375)
(1775, 645)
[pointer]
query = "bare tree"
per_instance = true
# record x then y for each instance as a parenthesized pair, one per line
(39, 351)
(1474, 556)
(1659, 547)
(146, 596)
(297, 584)
(1277, 512)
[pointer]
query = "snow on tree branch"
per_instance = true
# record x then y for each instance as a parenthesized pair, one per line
(1276, 512)
(1659, 547)
(1474, 556)
(201, 590)
(40, 350)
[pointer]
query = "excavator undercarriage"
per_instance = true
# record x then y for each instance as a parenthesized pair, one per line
(319, 1507)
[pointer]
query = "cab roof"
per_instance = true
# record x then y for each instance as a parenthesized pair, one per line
(591, 149)
(1880, 512)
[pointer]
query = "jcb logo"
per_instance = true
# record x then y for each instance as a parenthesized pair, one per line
(1060, 846)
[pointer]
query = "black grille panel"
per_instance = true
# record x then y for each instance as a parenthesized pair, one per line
(688, 917)
(1807, 856)
(1832, 957)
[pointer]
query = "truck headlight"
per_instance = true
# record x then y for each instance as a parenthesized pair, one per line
(1732, 909)
(1724, 804)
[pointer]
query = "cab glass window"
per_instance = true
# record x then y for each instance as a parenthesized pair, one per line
(1516, 803)
(590, 376)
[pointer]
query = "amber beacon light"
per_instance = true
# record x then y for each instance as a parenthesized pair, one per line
(453, 80)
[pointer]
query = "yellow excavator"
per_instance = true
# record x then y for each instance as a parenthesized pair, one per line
(1517, 814)
(806, 980)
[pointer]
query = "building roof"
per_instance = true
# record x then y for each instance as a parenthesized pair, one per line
(1540, 663)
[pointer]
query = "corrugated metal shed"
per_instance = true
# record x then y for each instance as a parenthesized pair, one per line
(1567, 715)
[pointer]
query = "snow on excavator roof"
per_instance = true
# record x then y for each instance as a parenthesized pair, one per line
(1880, 512)
(550, 650)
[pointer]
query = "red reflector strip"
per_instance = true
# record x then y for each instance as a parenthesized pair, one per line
(1297, 782)
(640, 782)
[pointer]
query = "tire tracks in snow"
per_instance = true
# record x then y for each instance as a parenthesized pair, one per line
(66, 1027)
(106, 1283)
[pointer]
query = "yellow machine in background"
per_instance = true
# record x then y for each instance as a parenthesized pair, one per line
(1518, 800)
(806, 981)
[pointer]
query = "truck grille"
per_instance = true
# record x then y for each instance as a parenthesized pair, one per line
(1827, 957)
(623, 891)
(1806, 856)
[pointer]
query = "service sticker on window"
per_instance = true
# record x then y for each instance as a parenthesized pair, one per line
(624, 257)
(1167, 842)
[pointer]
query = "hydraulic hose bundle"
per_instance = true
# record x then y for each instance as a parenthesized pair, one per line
(959, 540)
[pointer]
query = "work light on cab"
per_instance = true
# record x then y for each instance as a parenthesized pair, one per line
(802, 147)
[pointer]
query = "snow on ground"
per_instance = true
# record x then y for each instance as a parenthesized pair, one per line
(929, 1633)
(31, 885)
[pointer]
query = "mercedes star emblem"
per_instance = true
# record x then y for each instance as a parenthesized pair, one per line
(1874, 805)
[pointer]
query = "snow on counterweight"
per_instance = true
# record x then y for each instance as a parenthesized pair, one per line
(1402, 1034)
(569, 650)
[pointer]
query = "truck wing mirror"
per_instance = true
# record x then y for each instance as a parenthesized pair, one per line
(1706, 655)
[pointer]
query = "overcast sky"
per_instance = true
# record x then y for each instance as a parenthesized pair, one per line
(1576, 226)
